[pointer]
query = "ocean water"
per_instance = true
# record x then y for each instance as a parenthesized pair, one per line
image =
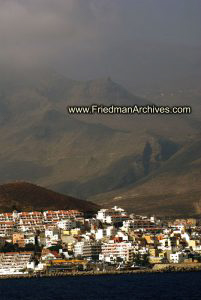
(184, 286)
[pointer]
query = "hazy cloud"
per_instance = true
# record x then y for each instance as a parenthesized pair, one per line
(94, 37)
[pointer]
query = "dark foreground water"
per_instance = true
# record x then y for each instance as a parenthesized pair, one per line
(139, 286)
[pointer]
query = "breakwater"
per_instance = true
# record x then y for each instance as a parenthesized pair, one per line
(160, 268)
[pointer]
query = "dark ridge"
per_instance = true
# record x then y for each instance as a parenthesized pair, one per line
(25, 196)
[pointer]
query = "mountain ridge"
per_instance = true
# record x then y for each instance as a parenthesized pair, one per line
(173, 189)
(82, 156)
(25, 196)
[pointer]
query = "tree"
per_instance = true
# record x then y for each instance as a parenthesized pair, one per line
(9, 247)
(29, 247)
(55, 248)
(141, 260)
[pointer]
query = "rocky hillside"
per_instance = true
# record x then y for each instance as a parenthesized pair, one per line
(173, 189)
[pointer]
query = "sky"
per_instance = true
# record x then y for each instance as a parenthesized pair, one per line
(87, 39)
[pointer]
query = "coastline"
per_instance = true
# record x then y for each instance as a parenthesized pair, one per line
(156, 269)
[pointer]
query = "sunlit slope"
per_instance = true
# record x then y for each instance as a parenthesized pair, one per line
(173, 189)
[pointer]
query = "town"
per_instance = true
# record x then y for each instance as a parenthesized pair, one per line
(70, 241)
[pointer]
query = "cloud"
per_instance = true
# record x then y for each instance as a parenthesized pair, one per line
(30, 33)
(84, 36)
(35, 32)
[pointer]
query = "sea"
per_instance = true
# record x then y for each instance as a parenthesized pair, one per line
(111, 287)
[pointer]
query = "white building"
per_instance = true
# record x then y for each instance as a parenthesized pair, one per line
(106, 232)
(29, 239)
(113, 215)
(78, 249)
(112, 251)
(177, 257)
(67, 224)
(15, 262)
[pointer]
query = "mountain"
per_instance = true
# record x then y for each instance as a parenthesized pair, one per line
(25, 196)
(82, 156)
(173, 189)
